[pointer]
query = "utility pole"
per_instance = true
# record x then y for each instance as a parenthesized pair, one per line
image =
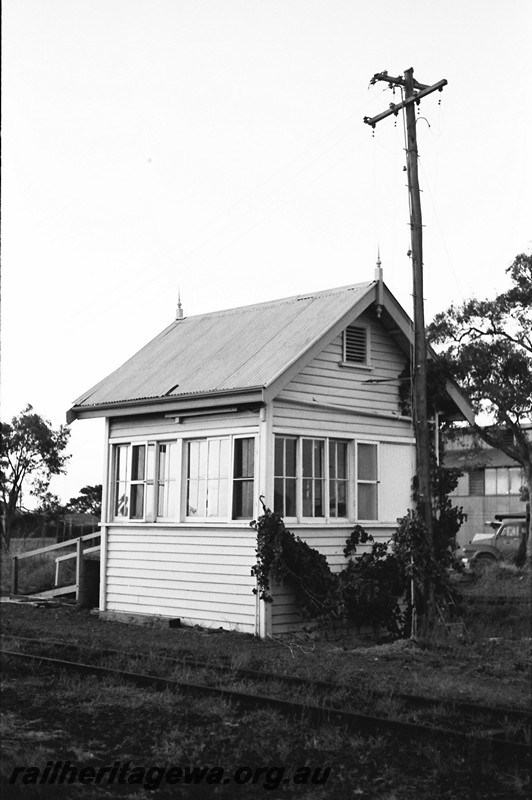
(413, 92)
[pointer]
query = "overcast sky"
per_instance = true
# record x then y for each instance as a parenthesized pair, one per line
(217, 147)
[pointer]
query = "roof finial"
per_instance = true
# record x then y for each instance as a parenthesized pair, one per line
(378, 270)
(179, 310)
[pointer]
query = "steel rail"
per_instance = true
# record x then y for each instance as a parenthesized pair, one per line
(519, 753)
(497, 712)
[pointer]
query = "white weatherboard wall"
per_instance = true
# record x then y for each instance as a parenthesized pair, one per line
(199, 575)
(329, 399)
(197, 572)
(373, 389)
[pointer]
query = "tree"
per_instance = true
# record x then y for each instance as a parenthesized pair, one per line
(31, 452)
(89, 501)
(487, 347)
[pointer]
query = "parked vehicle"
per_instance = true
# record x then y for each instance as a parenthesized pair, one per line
(500, 544)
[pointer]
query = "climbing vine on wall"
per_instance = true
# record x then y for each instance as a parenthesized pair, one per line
(371, 586)
(283, 557)
(369, 590)
(365, 592)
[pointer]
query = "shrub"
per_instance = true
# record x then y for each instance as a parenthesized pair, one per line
(365, 592)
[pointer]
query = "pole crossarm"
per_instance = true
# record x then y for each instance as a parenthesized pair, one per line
(396, 107)
(399, 81)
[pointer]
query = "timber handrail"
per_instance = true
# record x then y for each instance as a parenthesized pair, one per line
(69, 542)
(78, 554)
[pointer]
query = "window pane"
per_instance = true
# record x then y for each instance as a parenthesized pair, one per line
(121, 462)
(243, 499)
(192, 498)
(150, 465)
(491, 481)
(209, 469)
(337, 459)
(307, 458)
(337, 498)
(225, 458)
(170, 500)
(512, 531)
(279, 456)
(121, 486)
(318, 459)
(214, 459)
(516, 479)
(367, 462)
(203, 454)
(167, 489)
(138, 462)
(217, 497)
(278, 496)
(477, 481)
(307, 497)
(121, 503)
(171, 456)
(244, 458)
(161, 500)
(503, 482)
(318, 511)
(223, 497)
(342, 459)
(337, 478)
(163, 462)
(333, 499)
(290, 458)
(137, 501)
(197, 478)
(290, 497)
(166, 500)
(367, 501)
(212, 499)
(243, 478)
(193, 459)
(342, 499)
(150, 498)
(285, 476)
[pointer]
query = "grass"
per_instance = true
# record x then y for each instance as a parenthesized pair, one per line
(91, 722)
(97, 723)
(501, 579)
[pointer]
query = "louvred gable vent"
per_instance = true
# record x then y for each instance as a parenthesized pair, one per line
(355, 344)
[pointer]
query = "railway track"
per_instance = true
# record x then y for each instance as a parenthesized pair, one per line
(494, 730)
(495, 715)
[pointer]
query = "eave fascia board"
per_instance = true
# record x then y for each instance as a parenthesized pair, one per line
(461, 402)
(399, 316)
(406, 327)
(168, 405)
(284, 377)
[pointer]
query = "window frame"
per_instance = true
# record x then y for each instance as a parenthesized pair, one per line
(312, 479)
(497, 476)
(149, 482)
(230, 516)
(367, 481)
(299, 478)
(241, 480)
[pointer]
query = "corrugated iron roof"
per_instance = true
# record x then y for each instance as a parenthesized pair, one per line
(225, 351)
